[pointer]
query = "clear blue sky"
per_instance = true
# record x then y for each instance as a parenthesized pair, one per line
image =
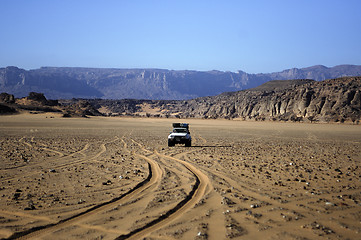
(254, 36)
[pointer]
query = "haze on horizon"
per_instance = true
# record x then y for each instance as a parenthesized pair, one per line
(252, 36)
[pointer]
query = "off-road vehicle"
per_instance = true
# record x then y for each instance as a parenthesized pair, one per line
(180, 135)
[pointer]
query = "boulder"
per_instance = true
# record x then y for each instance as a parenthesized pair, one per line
(7, 98)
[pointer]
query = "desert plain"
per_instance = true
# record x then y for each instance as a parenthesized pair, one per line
(116, 178)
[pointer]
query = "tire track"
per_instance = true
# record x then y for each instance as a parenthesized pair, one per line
(196, 194)
(61, 154)
(204, 141)
(66, 164)
(143, 188)
(51, 161)
(25, 215)
(44, 147)
(152, 179)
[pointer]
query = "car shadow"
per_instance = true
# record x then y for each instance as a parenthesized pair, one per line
(211, 146)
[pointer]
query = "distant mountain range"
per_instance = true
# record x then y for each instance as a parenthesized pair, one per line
(155, 84)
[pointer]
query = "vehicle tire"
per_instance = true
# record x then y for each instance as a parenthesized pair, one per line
(170, 143)
(188, 144)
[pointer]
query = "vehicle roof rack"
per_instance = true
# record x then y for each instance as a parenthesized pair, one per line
(181, 125)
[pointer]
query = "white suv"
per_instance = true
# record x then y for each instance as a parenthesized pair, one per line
(180, 135)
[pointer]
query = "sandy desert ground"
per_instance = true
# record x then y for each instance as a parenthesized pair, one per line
(116, 178)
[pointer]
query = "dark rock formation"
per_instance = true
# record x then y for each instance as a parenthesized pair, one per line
(38, 97)
(81, 108)
(41, 99)
(7, 98)
(4, 109)
(37, 102)
(6, 103)
(335, 100)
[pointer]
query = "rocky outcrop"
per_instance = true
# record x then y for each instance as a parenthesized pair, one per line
(37, 103)
(152, 84)
(79, 108)
(7, 98)
(41, 99)
(36, 100)
(84, 108)
(4, 109)
(6, 103)
(335, 100)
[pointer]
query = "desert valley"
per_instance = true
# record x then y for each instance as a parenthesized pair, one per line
(116, 178)
(180, 120)
(278, 161)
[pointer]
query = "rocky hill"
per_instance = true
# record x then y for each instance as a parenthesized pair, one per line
(333, 100)
(37, 103)
(154, 84)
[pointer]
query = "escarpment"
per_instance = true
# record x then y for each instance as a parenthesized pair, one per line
(303, 100)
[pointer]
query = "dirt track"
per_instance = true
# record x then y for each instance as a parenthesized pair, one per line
(115, 178)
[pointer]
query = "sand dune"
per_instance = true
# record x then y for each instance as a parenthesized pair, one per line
(116, 178)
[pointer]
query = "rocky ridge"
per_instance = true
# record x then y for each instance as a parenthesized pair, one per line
(152, 84)
(303, 100)
(37, 103)
(334, 100)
